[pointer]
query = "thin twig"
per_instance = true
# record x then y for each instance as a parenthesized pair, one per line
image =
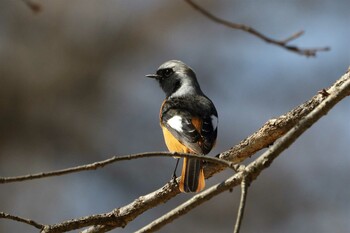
(293, 37)
(20, 219)
(244, 191)
(100, 164)
(282, 43)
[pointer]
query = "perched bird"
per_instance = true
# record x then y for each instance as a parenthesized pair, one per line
(188, 119)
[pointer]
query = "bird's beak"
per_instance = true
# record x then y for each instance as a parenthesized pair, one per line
(156, 76)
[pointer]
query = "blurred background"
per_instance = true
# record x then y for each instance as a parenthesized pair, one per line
(73, 91)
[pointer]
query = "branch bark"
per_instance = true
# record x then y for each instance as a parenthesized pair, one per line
(274, 128)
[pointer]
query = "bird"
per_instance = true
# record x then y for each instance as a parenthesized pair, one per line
(188, 119)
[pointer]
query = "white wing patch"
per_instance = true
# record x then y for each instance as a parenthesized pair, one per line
(214, 121)
(176, 123)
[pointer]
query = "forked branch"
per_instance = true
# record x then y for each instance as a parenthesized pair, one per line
(308, 52)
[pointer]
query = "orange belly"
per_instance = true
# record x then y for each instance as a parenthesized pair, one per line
(175, 146)
(172, 143)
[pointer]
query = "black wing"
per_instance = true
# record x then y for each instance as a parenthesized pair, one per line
(179, 123)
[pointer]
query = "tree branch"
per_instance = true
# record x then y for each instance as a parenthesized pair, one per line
(192, 203)
(264, 137)
(101, 164)
(335, 93)
(257, 166)
(274, 128)
(281, 43)
(244, 190)
(195, 201)
(23, 220)
(318, 106)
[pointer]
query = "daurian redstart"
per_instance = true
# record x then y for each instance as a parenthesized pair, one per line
(188, 119)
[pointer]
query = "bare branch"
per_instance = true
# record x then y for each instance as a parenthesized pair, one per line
(98, 229)
(23, 220)
(293, 37)
(337, 92)
(311, 52)
(275, 128)
(192, 203)
(264, 137)
(244, 191)
(120, 217)
(100, 164)
(257, 166)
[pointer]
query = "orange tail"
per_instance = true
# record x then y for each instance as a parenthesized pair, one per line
(192, 176)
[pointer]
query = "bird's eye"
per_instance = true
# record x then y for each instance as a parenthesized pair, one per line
(167, 72)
